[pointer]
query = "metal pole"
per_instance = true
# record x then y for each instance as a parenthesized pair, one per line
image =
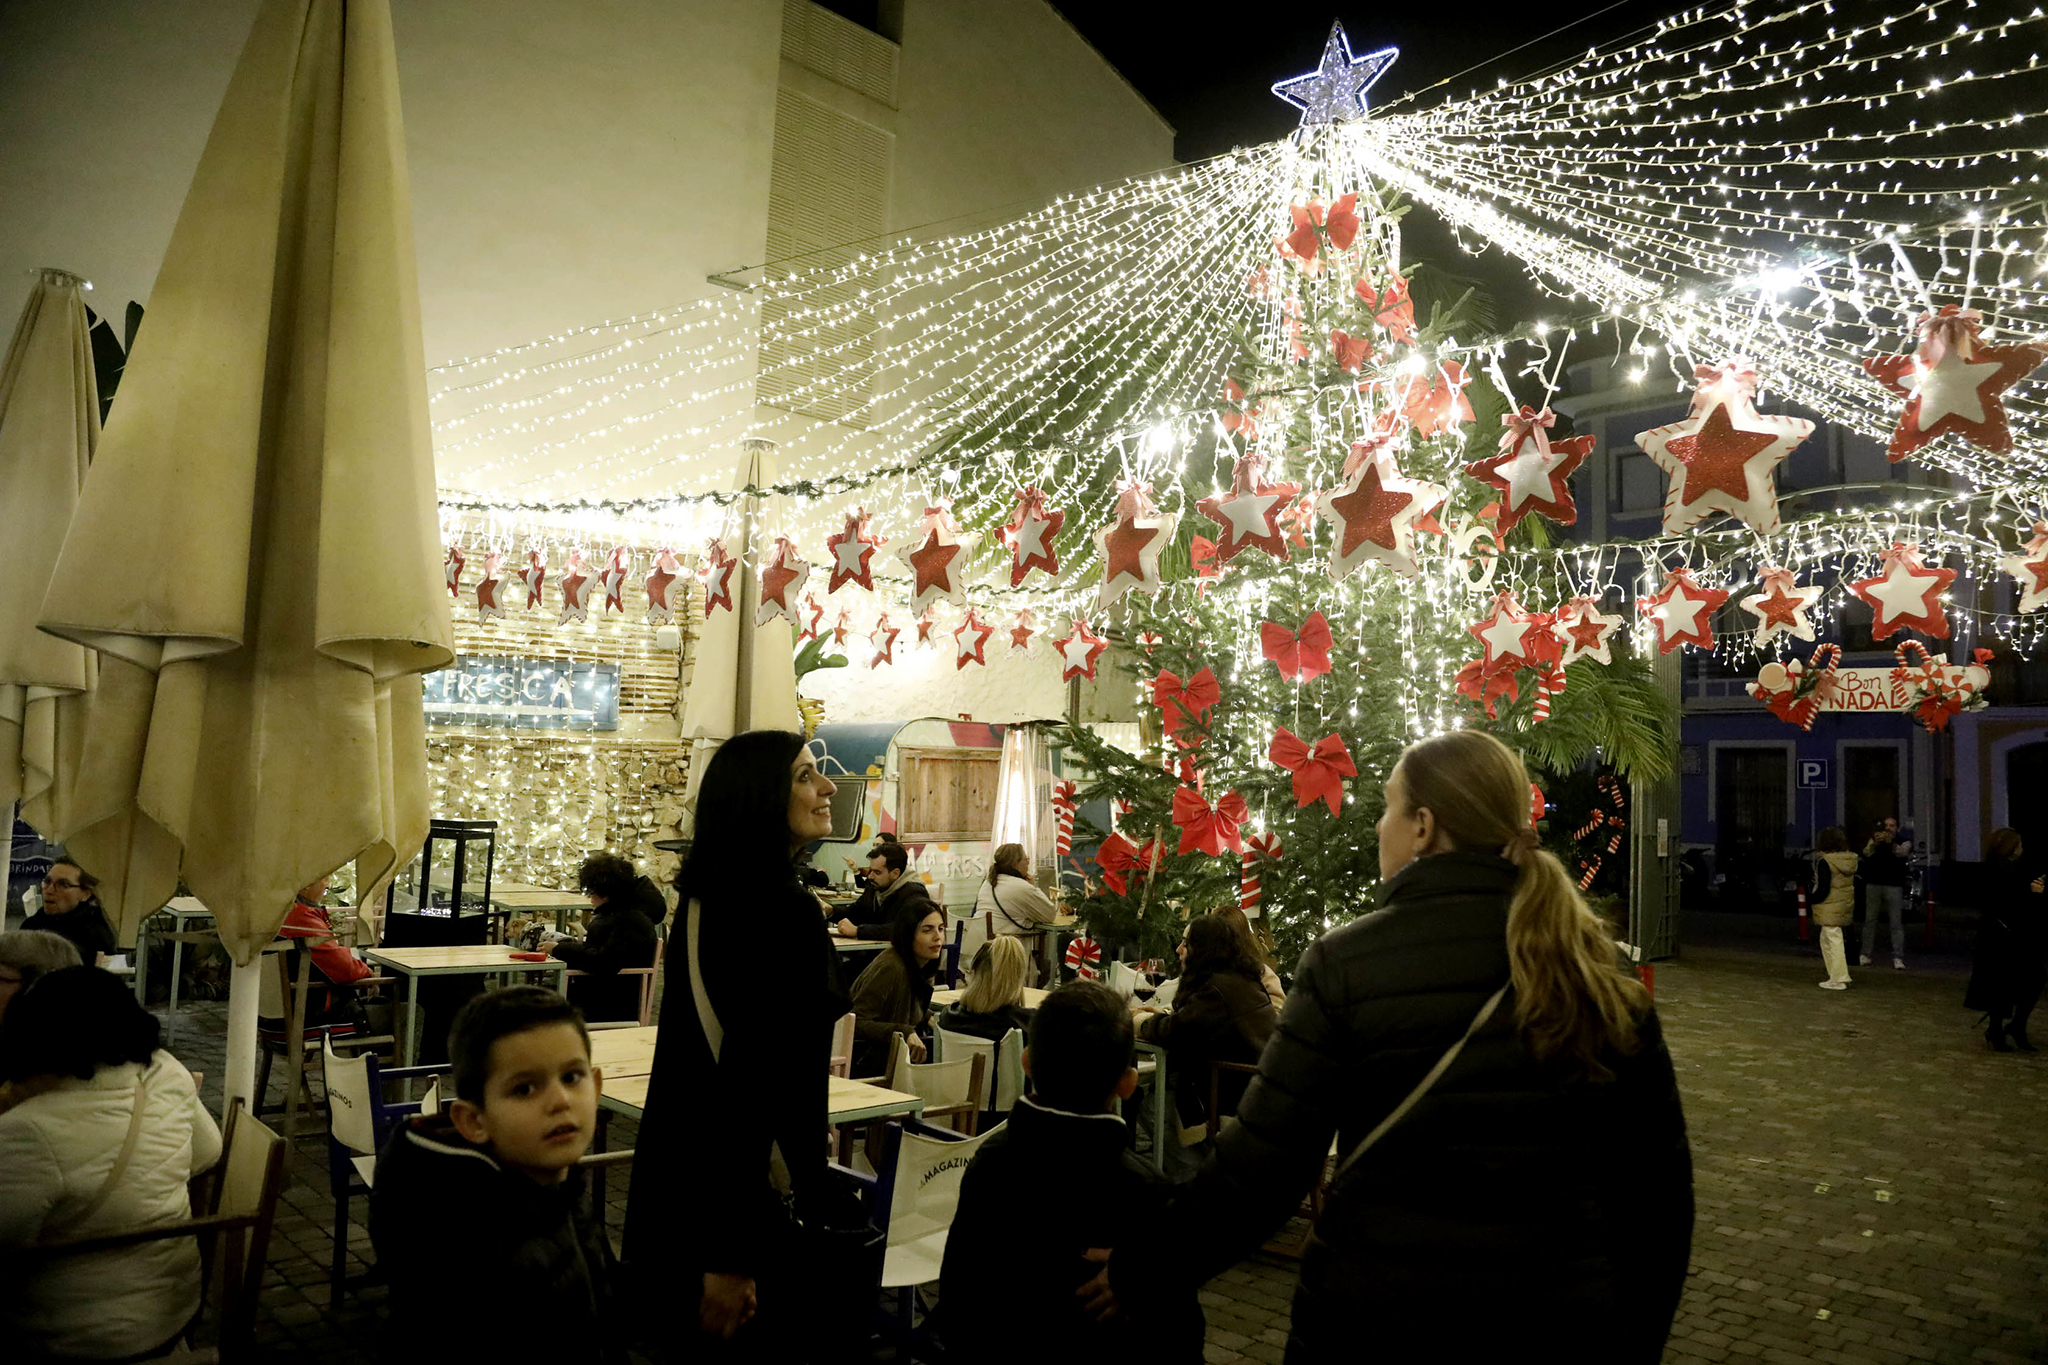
(244, 990)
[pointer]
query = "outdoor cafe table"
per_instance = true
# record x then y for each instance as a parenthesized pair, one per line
(184, 911)
(845, 1101)
(1033, 997)
(469, 959)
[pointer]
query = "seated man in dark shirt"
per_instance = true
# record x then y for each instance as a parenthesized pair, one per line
(624, 908)
(892, 894)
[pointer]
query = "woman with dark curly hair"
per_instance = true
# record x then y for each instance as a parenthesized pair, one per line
(103, 1131)
(624, 908)
(1221, 1013)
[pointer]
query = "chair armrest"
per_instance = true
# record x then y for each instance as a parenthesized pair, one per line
(189, 1227)
(605, 1158)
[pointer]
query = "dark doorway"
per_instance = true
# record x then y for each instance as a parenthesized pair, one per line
(1870, 789)
(1750, 816)
(2025, 768)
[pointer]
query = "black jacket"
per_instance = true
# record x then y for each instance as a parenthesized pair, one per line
(876, 914)
(1006, 1291)
(483, 1263)
(85, 926)
(701, 1197)
(2012, 939)
(1883, 864)
(621, 934)
(1228, 1018)
(1509, 1206)
(992, 1026)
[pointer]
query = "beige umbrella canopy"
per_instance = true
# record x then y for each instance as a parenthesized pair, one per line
(254, 553)
(744, 676)
(49, 424)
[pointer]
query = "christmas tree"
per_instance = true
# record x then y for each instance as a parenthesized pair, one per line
(1279, 693)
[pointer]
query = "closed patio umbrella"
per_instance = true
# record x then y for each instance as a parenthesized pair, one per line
(49, 424)
(254, 553)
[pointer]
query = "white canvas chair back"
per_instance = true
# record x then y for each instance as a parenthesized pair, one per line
(842, 1047)
(1003, 1063)
(1122, 978)
(941, 1085)
(925, 1195)
(430, 1103)
(351, 1108)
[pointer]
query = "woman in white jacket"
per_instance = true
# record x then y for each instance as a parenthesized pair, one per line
(1008, 903)
(83, 1069)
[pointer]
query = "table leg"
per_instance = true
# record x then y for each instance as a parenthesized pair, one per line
(412, 1020)
(142, 962)
(177, 970)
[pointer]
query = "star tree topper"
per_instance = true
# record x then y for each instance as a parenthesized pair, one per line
(1250, 512)
(1585, 631)
(1953, 383)
(937, 559)
(1683, 612)
(1780, 609)
(1532, 471)
(1130, 545)
(1030, 533)
(1079, 651)
(1335, 90)
(782, 578)
(1375, 509)
(851, 551)
(2029, 569)
(969, 639)
(1905, 594)
(1722, 457)
(660, 584)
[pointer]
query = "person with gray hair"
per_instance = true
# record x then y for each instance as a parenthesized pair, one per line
(26, 954)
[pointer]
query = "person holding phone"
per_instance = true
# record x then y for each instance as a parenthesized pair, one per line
(1883, 869)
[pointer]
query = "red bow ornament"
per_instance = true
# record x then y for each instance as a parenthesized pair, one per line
(1487, 686)
(1301, 656)
(1117, 857)
(1391, 308)
(1205, 828)
(1239, 417)
(1179, 703)
(1319, 772)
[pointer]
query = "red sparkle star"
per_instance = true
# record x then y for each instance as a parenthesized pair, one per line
(1369, 511)
(1717, 456)
(933, 562)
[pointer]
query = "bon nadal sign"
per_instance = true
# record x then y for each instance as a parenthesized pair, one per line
(1932, 689)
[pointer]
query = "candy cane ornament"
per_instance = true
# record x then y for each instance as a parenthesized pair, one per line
(1084, 958)
(1249, 891)
(1064, 801)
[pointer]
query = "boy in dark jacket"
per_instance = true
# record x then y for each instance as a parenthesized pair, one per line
(1008, 1284)
(481, 1220)
(624, 908)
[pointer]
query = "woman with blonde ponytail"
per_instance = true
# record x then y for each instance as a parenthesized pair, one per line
(1512, 1168)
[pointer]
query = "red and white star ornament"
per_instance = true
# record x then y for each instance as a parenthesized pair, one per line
(451, 570)
(882, 639)
(1532, 471)
(1953, 383)
(1905, 594)
(782, 578)
(535, 578)
(1031, 534)
(490, 590)
(1724, 456)
(1508, 636)
(2029, 569)
(925, 621)
(660, 583)
(1250, 512)
(937, 559)
(1079, 651)
(613, 579)
(1130, 545)
(810, 618)
(853, 551)
(1780, 609)
(1375, 509)
(717, 569)
(1022, 629)
(842, 628)
(1584, 631)
(576, 586)
(1682, 612)
(970, 637)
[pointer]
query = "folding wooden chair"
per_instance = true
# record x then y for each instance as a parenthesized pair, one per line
(647, 976)
(1002, 1061)
(358, 1123)
(282, 1028)
(952, 1090)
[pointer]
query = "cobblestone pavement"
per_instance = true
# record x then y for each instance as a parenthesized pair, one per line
(1870, 1182)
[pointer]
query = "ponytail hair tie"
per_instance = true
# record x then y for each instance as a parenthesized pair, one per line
(1524, 842)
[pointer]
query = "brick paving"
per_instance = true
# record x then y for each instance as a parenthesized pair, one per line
(1870, 1181)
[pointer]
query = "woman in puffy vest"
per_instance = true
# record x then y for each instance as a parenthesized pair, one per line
(1834, 902)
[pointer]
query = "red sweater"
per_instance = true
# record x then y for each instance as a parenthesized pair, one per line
(336, 963)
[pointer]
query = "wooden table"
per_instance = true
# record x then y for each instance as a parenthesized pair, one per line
(471, 959)
(1033, 997)
(859, 1102)
(845, 1101)
(859, 945)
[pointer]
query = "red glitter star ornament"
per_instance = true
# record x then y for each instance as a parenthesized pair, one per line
(852, 550)
(937, 559)
(717, 567)
(535, 578)
(1130, 545)
(1723, 456)
(576, 586)
(1532, 471)
(1375, 509)
(842, 628)
(660, 584)
(1021, 631)
(1250, 512)
(1954, 383)
(490, 591)
(1682, 613)
(925, 621)
(969, 638)
(1780, 609)
(782, 578)
(1079, 651)
(2029, 569)
(1905, 594)
(613, 579)
(1030, 534)
(1584, 631)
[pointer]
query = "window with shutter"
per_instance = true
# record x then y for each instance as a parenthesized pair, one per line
(948, 794)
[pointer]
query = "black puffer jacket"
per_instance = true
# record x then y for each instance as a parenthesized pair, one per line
(1509, 1207)
(621, 935)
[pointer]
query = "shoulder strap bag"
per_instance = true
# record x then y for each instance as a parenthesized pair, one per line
(1422, 1087)
(121, 1162)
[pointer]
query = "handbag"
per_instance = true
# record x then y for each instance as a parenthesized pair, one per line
(121, 1163)
(1422, 1087)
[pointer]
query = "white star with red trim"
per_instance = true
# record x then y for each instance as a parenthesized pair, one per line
(1505, 634)
(490, 591)
(1079, 651)
(660, 584)
(969, 637)
(852, 551)
(717, 567)
(2029, 569)
(613, 579)
(1030, 533)
(883, 640)
(1906, 595)
(575, 586)
(1683, 613)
